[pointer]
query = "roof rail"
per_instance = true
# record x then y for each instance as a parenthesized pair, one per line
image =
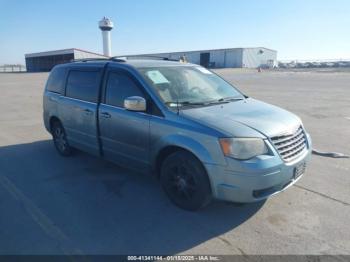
(124, 58)
(147, 56)
(98, 59)
(89, 59)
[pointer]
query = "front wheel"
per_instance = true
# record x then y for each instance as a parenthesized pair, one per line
(185, 181)
(60, 139)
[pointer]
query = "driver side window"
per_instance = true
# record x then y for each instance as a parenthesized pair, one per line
(119, 87)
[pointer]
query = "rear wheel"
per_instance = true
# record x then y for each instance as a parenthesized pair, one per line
(60, 139)
(185, 181)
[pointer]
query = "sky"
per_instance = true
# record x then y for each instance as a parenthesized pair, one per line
(297, 29)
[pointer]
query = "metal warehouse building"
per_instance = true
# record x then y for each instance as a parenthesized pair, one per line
(214, 58)
(45, 61)
(230, 57)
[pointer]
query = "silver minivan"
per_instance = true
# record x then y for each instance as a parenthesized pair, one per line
(197, 133)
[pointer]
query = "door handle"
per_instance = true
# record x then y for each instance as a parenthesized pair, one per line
(106, 115)
(88, 111)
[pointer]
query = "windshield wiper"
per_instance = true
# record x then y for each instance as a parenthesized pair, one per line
(206, 103)
(185, 103)
(223, 100)
(230, 99)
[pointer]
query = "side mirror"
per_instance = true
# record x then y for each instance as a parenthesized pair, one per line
(135, 103)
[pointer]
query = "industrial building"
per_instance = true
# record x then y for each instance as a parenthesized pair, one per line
(214, 58)
(222, 58)
(45, 61)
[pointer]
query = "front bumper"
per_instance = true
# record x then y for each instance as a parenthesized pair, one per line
(256, 179)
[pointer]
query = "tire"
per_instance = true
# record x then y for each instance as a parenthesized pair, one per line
(185, 181)
(60, 139)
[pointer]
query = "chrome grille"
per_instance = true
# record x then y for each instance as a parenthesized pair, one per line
(290, 146)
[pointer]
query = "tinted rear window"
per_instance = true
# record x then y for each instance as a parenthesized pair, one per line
(83, 85)
(56, 80)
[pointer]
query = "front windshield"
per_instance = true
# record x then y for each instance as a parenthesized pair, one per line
(189, 85)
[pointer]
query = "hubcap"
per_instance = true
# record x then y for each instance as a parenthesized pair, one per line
(182, 182)
(60, 139)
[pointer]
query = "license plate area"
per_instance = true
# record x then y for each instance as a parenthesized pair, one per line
(299, 170)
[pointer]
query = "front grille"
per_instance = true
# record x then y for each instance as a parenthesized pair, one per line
(290, 146)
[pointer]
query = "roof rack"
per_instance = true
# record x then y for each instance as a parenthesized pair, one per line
(147, 56)
(99, 59)
(124, 58)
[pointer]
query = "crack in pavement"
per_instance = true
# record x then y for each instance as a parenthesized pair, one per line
(232, 247)
(323, 195)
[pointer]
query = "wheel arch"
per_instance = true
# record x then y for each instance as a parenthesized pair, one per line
(163, 154)
(183, 144)
(52, 120)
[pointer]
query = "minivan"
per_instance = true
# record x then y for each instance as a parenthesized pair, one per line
(199, 135)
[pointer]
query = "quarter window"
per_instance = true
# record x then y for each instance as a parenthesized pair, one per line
(119, 87)
(83, 85)
(55, 83)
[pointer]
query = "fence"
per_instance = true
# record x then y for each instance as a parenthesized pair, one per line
(13, 68)
(314, 60)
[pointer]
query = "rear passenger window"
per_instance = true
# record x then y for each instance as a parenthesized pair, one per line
(119, 87)
(56, 80)
(83, 85)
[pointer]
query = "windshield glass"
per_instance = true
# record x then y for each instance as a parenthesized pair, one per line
(189, 85)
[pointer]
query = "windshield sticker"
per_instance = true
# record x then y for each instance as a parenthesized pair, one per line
(204, 71)
(157, 77)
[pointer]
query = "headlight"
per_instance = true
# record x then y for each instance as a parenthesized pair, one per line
(243, 148)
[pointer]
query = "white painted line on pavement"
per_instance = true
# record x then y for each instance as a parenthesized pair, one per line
(40, 218)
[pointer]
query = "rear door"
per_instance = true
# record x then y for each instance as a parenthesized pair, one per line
(79, 108)
(124, 134)
(54, 92)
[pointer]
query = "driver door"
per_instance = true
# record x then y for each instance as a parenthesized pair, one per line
(124, 134)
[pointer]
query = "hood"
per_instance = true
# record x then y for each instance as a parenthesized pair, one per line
(238, 118)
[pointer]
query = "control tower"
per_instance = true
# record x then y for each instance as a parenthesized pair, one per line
(106, 25)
